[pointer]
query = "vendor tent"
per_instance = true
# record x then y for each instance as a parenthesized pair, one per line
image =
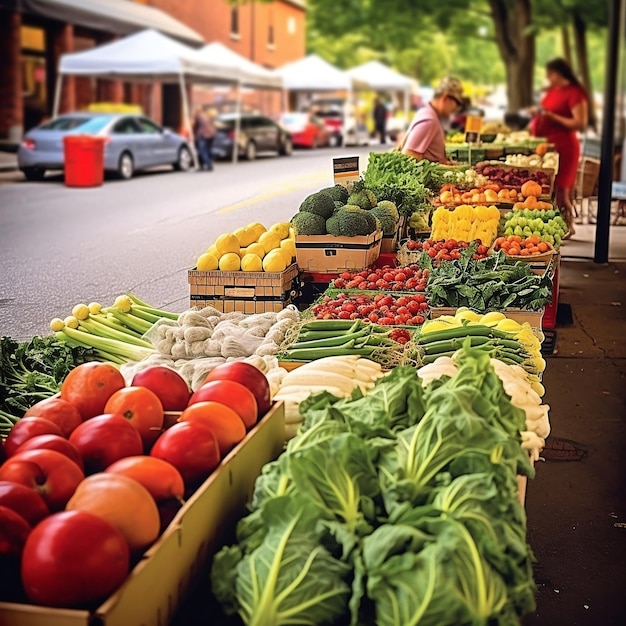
(246, 72)
(378, 77)
(314, 74)
(145, 56)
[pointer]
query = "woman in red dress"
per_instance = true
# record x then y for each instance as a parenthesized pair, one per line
(563, 113)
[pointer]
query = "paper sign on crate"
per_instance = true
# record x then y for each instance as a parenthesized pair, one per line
(346, 170)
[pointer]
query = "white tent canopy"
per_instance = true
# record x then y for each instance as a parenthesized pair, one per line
(379, 77)
(246, 72)
(314, 74)
(145, 56)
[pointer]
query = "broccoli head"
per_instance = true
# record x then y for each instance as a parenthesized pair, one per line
(332, 226)
(338, 204)
(306, 223)
(387, 213)
(353, 223)
(338, 193)
(319, 203)
(363, 198)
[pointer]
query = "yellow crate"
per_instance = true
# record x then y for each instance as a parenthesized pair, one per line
(179, 559)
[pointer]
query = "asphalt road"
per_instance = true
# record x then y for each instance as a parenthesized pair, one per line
(61, 246)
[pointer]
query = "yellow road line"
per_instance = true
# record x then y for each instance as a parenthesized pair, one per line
(277, 190)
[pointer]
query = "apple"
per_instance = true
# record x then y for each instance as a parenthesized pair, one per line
(64, 414)
(53, 442)
(14, 530)
(191, 448)
(234, 395)
(124, 503)
(170, 387)
(27, 428)
(28, 503)
(250, 377)
(159, 477)
(48, 472)
(105, 439)
(3, 454)
(73, 560)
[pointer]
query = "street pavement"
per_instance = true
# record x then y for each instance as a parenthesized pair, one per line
(60, 246)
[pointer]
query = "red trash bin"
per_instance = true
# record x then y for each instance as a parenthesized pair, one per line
(84, 160)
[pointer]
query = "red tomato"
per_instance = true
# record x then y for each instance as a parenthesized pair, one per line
(89, 386)
(170, 387)
(72, 560)
(191, 448)
(27, 428)
(53, 442)
(14, 530)
(27, 502)
(105, 439)
(65, 415)
(142, 408)
(250, 377)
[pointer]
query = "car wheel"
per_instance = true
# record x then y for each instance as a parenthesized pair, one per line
(287, 147)
(335, 140)
(34, 173)
(125, 166)
(185, 160)
(250, 151)
(314, 143)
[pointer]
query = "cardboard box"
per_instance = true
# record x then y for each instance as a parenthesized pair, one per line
(248, 292)
(327, 254)
(389, 244)
(179, 559)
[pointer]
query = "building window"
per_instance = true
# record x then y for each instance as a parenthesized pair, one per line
(291, 25)
(234, 22)
(270, 37)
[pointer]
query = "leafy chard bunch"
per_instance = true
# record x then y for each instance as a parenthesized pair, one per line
(398, 508)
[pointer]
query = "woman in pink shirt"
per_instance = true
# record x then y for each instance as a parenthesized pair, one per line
(425, 138)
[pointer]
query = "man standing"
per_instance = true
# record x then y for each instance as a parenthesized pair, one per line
(425, 138)
(380, 120)
(204, 132)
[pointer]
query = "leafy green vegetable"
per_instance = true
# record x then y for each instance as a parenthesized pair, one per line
(289, 579)
(394, 509)
(491, 284)
(33, 371)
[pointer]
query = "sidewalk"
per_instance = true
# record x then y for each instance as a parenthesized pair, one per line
(577, 503)
(8, 162)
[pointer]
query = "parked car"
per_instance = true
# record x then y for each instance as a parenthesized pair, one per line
(306, 130)
(257, 133)
(344, 129)
(132, 143)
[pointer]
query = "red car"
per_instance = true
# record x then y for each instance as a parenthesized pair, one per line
(306, 130)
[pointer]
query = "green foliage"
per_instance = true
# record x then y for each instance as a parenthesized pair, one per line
(306, 223)
(320, 203)
(393, 509)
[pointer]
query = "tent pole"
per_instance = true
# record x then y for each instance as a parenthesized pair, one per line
(57, 95)
(407, 105)
(187, 118)
(237, 123)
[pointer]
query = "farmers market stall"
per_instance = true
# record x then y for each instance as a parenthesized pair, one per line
(169, 444)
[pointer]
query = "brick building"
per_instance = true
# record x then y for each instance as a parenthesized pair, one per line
(35, 33)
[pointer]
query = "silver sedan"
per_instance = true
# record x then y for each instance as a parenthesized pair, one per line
(132, 142)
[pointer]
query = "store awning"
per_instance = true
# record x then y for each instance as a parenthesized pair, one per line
(121, 17)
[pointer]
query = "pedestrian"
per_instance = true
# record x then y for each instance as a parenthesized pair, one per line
(562, 114)
(425, 138)
(204, 132)
(380, 120)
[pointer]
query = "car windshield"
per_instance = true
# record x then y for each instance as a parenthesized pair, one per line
(94, 125)
(67, 122)
(224, 124)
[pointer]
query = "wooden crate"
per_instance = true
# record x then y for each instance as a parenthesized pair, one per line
(325, 254)
(248, 292)
(179, 559)
(389, 244)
